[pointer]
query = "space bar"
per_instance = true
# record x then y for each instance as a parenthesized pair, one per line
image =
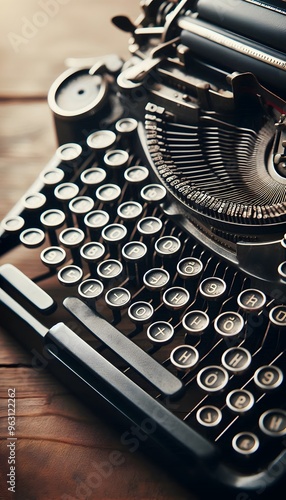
(148, 367)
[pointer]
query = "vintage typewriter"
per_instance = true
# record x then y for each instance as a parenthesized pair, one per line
(158, 228)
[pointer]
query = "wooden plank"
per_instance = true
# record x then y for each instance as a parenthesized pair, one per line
(27, 143)
(63, 451)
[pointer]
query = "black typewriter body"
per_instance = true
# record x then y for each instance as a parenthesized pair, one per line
(158, 226)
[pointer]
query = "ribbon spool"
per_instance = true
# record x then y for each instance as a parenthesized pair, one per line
(75, 97)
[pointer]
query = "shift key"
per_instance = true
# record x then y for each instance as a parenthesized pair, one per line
(18, 281)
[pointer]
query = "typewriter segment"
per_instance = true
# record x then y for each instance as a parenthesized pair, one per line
(158, 227)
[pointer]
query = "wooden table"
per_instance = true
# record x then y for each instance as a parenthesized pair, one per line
(64, 451)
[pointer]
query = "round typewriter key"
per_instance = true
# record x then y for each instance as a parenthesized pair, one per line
(236, 359)
(129, 210)
(140, 312)
(69, 155)
(184, 357)
(189, 267)
(126, 125)
(13, 224)
(52, 177)
(212, 288)
(93, 176)
(153, 193)
(136, 175)
(149, 226)
(245, 443)
(66, 191)
(273, 422)
(251, 300)
(92, 251)
(229, 324)
(134, 251)
(96, 220)
(268, 377)
(114, 233)
(212, 378)
(277, 316)
(90, 289)
(195, 322)
(160, 332)
(101, 140)
(107, 193)
(117, 298)
(32, 238)
(69, 152)
(34, 201)
(81, 205)
(156, 279)
(52, 219)
(70, 275)
(53, 256)
(209, 416)
(240, 400)
(168, 246)
(283, 241)
(71, 237)
(116, 158)
(282, 270)
(176, 297)
(109, 269)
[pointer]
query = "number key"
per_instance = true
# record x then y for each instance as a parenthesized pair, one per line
(212, 288)
(53, 256)
(268, 377)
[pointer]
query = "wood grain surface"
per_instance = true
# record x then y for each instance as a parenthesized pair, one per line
(63, 451)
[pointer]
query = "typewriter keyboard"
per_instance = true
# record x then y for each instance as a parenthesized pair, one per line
(186, 327)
